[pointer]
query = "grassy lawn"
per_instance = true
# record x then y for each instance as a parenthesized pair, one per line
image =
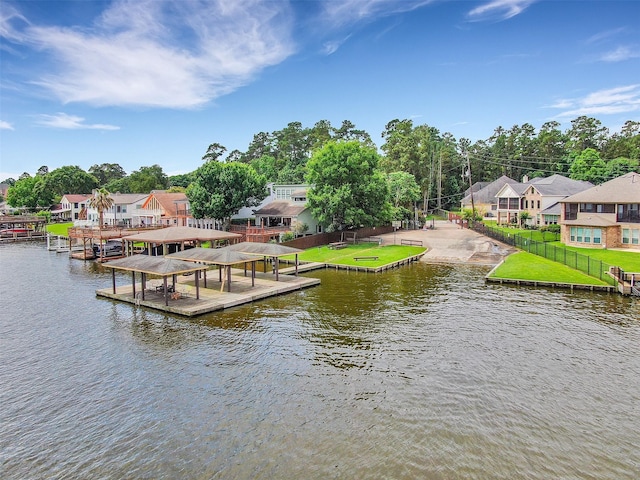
(59, 228)
(628, 261)
(527, 266)
(345, 256)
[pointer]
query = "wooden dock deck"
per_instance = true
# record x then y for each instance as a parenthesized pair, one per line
(211, 298)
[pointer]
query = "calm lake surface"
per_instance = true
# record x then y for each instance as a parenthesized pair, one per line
(419, 373)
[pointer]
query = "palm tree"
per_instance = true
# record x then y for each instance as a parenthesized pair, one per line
(101, 201)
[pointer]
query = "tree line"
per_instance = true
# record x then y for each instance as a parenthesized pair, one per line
(420, 165)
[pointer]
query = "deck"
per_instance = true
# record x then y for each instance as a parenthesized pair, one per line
(211, 298)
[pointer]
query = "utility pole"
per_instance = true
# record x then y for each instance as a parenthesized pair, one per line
(473, 206)
(440, 182)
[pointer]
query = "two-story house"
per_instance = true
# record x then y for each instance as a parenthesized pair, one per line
(73, 207)
(162, 208)
(538, 197)
(287, 208)
(484, 196)
(123, 213)
(605, 216)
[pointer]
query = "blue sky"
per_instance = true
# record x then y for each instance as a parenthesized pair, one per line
(140, 82)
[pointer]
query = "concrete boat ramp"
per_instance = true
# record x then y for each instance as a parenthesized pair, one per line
(184, 302)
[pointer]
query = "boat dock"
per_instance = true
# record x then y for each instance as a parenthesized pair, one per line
(183, 300)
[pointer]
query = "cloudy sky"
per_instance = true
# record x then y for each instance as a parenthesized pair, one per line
(140, 82)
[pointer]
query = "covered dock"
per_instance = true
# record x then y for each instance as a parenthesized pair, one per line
(268, 250)
(179, 237)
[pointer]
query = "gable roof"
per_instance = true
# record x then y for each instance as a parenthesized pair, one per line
(623, 189)
(558, 185)
(488, 193)
(76, 198)
(128, 198)
(169, 202)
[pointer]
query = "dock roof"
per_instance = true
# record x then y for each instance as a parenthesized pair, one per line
(215, 256)
(161, 266)
(181, 234)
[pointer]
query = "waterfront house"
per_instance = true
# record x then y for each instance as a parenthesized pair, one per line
(123, 213)
(73, 207)
(538, 197)
(604, 216)
(287, 208)
(484, 196)
(162, 208)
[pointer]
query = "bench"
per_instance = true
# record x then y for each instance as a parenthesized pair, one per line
(377, 240)
(337, 245)
(365, 258)
(406, 241)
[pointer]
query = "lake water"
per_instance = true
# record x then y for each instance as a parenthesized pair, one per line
(423, 372)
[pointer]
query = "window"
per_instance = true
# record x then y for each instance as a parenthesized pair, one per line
(526, 203)
(597, 235)
(75, 205)
(626, 235)
(587, 235)
(573, 233)
(502, 203)
(635, 236)
(538, 204)
(579, 234)
(514, 203)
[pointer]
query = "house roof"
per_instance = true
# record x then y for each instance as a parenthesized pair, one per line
(488, 193)
(623, 189)
(76, 198)
(169, 202)
(555, 209)
(153, 265)
(558, 185)
(265, 249)
(281, 208)
(215, 256)
(128, 198)
(181, 234)
(591, 221)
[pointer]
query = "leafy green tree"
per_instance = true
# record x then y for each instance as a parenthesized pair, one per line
(120, 185)
(347, 188)
(69, 179)
(619, 166)
(214, 152)
(181, 180)
(42, 171)
(147, 179)
(107, 172)
(266, 165)
(28, 192)
(588, 166)
(219, 190)
(586, 132)
(404, 191)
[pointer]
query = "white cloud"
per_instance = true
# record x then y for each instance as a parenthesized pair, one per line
(620, 54)
(346, 12)
(602, 102)
(605, 35)
(70, 122)
(5, 125)
(160, 53)
(501, 9)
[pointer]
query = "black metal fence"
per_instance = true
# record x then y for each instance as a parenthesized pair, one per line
(584, 263)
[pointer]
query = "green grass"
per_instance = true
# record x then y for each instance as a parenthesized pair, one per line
(59, 228)
(345, 256)
(628, 261)
(527, 266)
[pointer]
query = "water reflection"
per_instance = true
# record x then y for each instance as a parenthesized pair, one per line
(421, 372)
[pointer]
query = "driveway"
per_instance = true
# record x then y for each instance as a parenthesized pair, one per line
(448, 243)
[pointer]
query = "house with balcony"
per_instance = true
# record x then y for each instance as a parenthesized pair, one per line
(538, 197)
(123, 213)
(162, 208)
(604, 216)
(484, 196)
(72, 208)
(286, 209)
